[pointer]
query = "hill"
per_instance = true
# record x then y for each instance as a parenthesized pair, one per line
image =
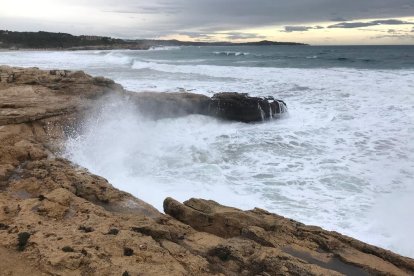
(49, 40)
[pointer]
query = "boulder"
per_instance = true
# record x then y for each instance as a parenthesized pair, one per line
(230, 106)
(241, 107)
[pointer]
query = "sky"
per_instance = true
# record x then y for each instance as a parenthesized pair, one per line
(317, 22)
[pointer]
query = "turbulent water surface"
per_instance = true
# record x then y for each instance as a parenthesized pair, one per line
(342, 159)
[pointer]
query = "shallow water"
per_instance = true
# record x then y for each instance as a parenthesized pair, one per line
(342, 159)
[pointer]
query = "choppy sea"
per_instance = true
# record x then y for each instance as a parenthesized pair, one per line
(342, 159)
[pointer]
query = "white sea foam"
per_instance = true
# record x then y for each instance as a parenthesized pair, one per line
(231, 53)
(164, 48)
(343, 159)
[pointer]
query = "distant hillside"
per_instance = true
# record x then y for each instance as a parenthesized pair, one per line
(48, 40)
(174, 42)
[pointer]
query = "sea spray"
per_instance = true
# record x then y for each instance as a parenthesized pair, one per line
(154, 159)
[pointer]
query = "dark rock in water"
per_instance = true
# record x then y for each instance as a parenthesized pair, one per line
(242, 107)
(227, 105)
(22, 239)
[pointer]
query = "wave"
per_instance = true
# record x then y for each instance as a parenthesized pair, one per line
(230, 53)
(172, 61)
(164, 48)
(118, 58)
(233, 72)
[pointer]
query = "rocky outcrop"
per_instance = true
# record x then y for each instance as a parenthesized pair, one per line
(241, 107)
(267, 244)
(44, 94)
(57, 218)
(227, 105)
(33, 94)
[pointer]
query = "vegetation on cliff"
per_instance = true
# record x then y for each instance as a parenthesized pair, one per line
(49, 40)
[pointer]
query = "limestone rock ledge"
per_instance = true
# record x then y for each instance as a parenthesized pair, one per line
(57, 218)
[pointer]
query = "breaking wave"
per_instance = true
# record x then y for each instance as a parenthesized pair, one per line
(164, 48)
(230, 53)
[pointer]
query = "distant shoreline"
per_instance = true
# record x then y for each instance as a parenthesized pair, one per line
(62, 41)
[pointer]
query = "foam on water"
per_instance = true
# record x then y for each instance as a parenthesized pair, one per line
(164, 48)
(343, 159)
(231, 53)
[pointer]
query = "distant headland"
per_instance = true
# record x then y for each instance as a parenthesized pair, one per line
(48, 40)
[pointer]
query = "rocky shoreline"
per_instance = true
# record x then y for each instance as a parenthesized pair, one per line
(57, 218)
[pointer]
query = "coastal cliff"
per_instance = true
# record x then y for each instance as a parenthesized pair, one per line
(57, 218)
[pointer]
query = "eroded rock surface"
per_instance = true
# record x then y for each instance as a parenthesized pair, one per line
(284, 241)
(57, 218)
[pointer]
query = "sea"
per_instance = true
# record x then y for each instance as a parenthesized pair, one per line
(342, 157)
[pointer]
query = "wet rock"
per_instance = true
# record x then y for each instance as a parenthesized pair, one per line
(241, 107)
(228, 106)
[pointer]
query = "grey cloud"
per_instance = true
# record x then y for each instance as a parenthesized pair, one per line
(348, 25)
(289, 29)
(393, 36)
(229, 35)
(161, 8)
(216, 15)
(161, 17)
(338, 19)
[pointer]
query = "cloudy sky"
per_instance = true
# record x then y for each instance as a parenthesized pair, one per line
(309, 21)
